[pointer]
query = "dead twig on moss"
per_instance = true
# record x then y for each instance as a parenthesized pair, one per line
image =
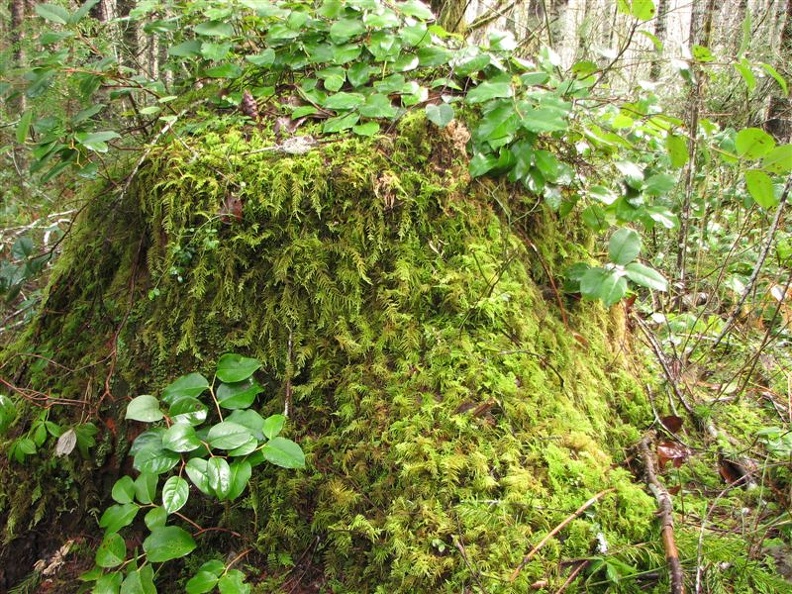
(666, 518)
(556, 530)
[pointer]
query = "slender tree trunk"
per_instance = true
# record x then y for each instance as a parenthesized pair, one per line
(779, 108)
(18, 11)
(660, 33)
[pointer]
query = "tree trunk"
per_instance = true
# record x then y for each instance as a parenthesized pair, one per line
(779, 110)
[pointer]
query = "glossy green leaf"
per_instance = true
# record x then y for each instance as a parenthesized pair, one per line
(487, 90)
(139, 581)
(273, 426)
(167, 543)
(155, 460)
(368, 129)
(175, 493)
(96, 141)
(284, 453)
(241, 471)
(760, 187)
(264, 59)
(123, 490)
(779, 160)
(659, 184)
(201, 582)
(624, 246)
(345, 29)
(108, 583)
(612, 287)
(417, 9)
(219, 474)
(191, 385)
(232, 368)
(53, 13)
(646, 276)
(181, 437)
(187, 49)
(23, 127)
(214, 29)
(227, 70)
(340, 123)
(378, 105)
(677, 148)
(228, 435)
(440, 115)
(232, 582)
(118, 516)
(144, 408)
(196, 469)
(359, 74)
(188, 410)
(111, 551)
(146, 487)
(155, 517)
(752, 143)
(344, 100)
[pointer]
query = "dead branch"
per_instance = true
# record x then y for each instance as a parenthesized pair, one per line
(666, 515)
(556, 530)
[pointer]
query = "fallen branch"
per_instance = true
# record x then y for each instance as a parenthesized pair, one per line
(666, 518)
(555, 531)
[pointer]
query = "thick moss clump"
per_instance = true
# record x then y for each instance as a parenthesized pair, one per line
(451, 416)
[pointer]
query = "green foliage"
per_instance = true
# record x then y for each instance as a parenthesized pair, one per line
(217, 457)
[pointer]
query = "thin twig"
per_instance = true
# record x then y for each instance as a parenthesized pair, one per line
(556, 530)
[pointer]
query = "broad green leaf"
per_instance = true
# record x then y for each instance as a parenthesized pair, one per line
(612, 289)
(241, 471)
(284, 453)
(175, 493)
(489, 90)
(7, 412)
(540, 119)
(345, 29)
(677, 148)
(196, 469)
(228, 435)
(215, 29)
(779, 160)
(481, 164)
(146, 487)
(111, 551)
(753, 143)
(215, 51)
(368, 129)
(232, 582)
(219, 473)
(358, 74)
(168, 542)
(144, 408)
(646, 276)
(378, 105)
(344, 100)
(624, 246)
(702, 54)
(155, 460)
(123, 490)
(181, 437)
(108, 583)
(548, 165)
(96, 141)
(227, 70)
(760, 186)
(632, 172)
(250, 419)
(188, 410)
(139, 581)
(417, 9)
(155, 517)
(192, 385)
(340, 123)
(82, 12)
(201, 582)
(23, 128)
(118, 516)
(187, 49)
(232, 368)
(594, 217)
(440, 115)
(659, 184)
(53, 13)
(344, 54)
(643, 10)
(273, 426)
(264, 59)
(498, 126)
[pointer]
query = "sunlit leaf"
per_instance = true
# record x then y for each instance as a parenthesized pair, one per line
(753, 143)
(646, 276)
(175, 493)
(111, 551)
(232, 368)
(760, 186)
(283, 452)
(118, 516)
(191, 385)
(677, 148)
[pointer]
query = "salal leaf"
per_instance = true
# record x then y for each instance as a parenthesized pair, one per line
(118, 516)
(760, 186)
(111, 551)
(232, 368)
(196, 469)
(489, 90)
(191, 385)
(123, 490)
(646, 276)
(181, 437)
(241, 471)
(440, 115)
(228, 435)
(624, 246)
(155, 517)
(146, 487)
(284, 453)
(175, 493)
(144, 408)
(219, 473)
(167, 543)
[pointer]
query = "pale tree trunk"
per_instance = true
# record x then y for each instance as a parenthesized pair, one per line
(660, 33)
(18, 11)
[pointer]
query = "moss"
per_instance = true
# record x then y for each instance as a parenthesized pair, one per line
(451, 414)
